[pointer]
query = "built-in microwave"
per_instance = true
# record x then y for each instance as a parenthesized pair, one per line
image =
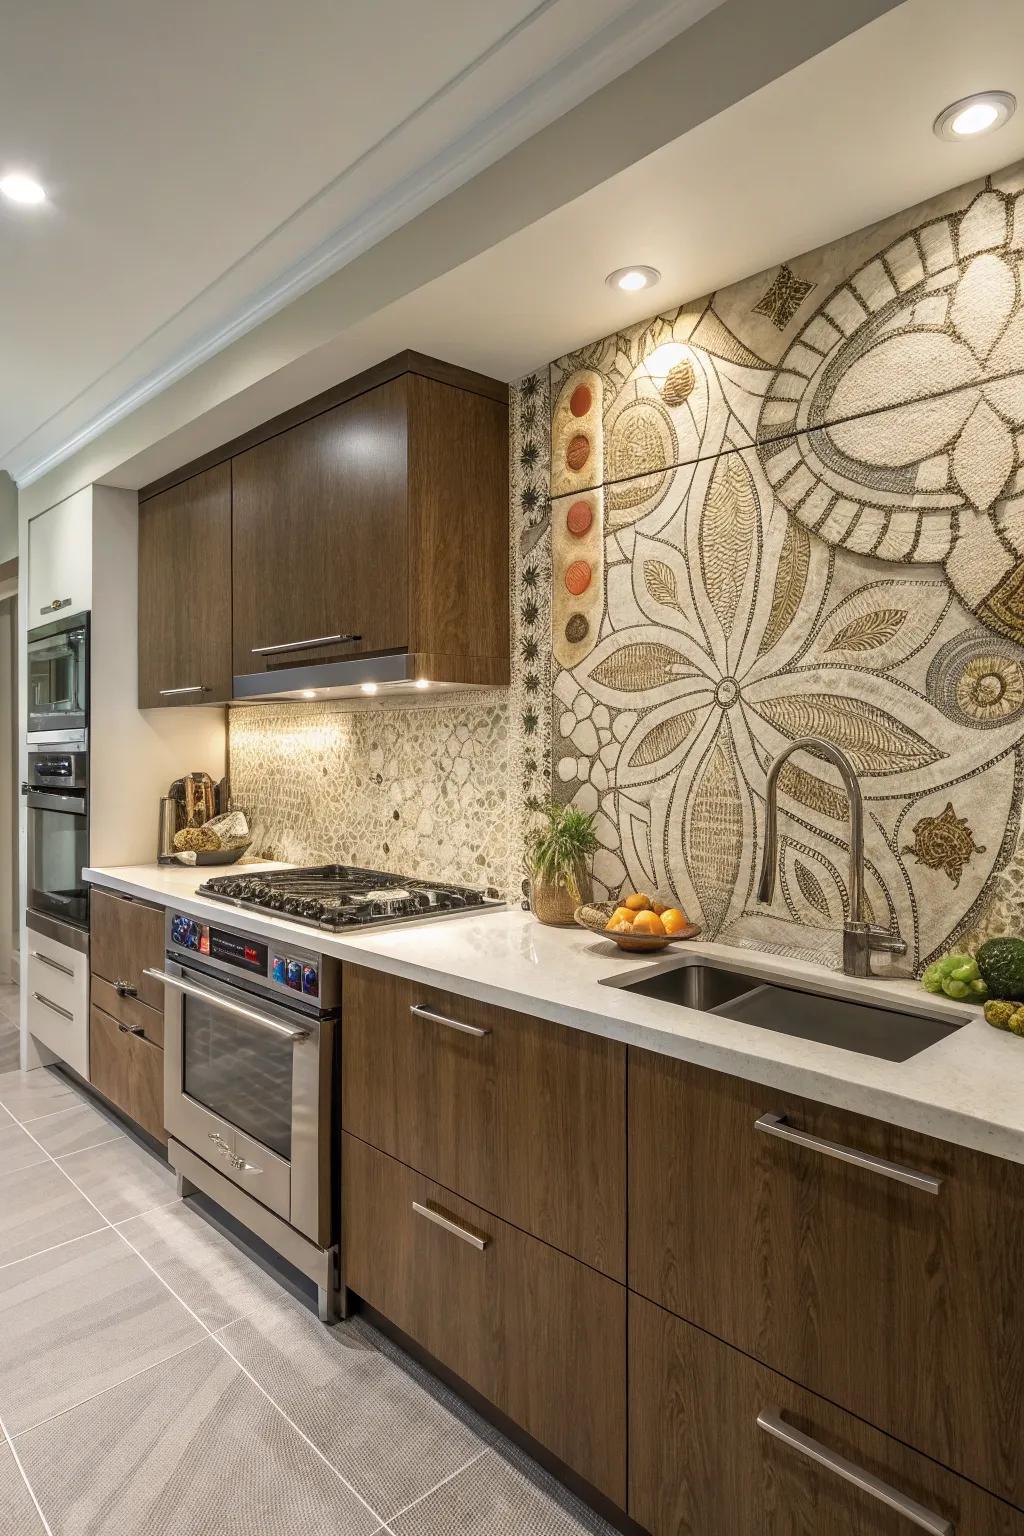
(58, 680)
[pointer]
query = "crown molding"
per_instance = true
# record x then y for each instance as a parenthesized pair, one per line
(638, 31)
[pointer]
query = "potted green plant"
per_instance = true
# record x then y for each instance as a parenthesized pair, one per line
(558, 855)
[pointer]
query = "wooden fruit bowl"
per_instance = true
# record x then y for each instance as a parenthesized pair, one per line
(595, 917)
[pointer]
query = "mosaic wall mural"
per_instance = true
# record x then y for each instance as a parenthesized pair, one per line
(796, 508)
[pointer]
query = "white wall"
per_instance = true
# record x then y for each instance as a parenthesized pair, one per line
(8, 518)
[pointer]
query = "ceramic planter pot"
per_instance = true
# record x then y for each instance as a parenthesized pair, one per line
(555, 904)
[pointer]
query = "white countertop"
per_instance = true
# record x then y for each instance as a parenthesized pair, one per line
(967, 1089)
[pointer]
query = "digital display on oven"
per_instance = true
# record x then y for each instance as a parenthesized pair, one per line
(245, 953)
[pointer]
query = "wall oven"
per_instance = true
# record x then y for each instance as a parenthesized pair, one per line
(57, 657)
(249, 1042)
(57, 796)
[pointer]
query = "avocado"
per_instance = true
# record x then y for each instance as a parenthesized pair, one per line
(1001, 963)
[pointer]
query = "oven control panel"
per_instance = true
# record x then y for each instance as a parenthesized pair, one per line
(273, 963)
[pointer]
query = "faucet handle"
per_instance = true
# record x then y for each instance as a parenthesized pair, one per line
(884, 942)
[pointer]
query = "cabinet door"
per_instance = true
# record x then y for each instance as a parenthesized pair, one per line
(706, 1457)
(525, 1118)
(128, 1071)
(185, 592)
(60, 560)
(127, 936)
(903, 1304)
(539, 1335)
(319, 536)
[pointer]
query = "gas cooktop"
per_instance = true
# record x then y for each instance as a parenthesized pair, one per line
(337, 896)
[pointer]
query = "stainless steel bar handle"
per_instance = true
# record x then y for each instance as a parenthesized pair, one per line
(925, 1519)
(423, 1012)
(479, 1243)
(131, 1029)
(54, 1007)
(776, 1125)
(227, 1006)
(168, 693)
(303, 645)
(55, 965)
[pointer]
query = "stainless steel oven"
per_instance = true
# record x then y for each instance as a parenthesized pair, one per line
(57, 796)
(249, 1041)
(57, 657)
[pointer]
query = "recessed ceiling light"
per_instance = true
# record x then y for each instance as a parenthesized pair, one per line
(632, 279)
(973, 115)
(18, 188)
(368, 687)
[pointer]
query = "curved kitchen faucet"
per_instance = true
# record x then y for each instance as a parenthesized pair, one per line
(860, 938)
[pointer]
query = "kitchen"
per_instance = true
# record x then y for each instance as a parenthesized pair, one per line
(379, 717)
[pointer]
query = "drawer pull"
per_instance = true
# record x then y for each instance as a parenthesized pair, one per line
(131, 1029)
(304, 645)
(453, 1227)
(776, 1125)
(125, 989)
(55, 965)
(925, 1519)
(54, 1007)
(170, 693)
(423, 1012)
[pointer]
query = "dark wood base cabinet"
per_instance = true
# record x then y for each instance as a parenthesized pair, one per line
(535, 1332)
(706, 1457)
(127, 1071)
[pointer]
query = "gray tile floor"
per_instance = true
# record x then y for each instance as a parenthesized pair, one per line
(156, 1381)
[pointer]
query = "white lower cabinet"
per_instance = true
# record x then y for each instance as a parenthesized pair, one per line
(58, 1000)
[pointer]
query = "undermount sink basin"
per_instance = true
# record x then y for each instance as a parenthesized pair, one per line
(818, 1014)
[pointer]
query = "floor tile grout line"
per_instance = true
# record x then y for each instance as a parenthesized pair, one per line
(442, 1484)
(50, 1113)
(24, 1477)
(210, 1334)
(117, 1136)
(114, 1387)
(53, 1247)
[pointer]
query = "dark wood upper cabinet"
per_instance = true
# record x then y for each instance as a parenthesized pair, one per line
(184, 592)
(373, 519)
(321, 537)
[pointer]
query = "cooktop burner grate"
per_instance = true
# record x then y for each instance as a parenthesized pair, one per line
(340, 896)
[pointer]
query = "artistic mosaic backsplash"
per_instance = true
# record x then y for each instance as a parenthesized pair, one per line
(796, 508)
(421, 790)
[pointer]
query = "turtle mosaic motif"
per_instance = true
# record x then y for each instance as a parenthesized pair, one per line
(944, 842)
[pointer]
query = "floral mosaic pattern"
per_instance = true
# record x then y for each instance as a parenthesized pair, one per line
(814, 525)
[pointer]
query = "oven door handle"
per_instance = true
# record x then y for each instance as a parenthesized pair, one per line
(238, 1009)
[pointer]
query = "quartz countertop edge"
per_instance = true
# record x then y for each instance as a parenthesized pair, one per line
(967, 1089)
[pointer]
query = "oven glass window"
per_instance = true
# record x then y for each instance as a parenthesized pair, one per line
(58, 848)
(239, 1071)
(57, 680)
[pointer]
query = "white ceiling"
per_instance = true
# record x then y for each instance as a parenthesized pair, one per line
(194, 152)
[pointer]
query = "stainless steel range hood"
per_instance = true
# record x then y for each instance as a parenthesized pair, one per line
(405, 673)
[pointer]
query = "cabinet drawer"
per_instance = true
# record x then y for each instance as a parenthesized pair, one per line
(127, 936)
(128, 1071)
(63, 1027)
(138, 1017)
(701, 1463)
(538, 1334)
(904, 1305)
(523, 1117)
(58, 972)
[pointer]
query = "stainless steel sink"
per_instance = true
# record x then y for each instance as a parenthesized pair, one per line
(806, 1013)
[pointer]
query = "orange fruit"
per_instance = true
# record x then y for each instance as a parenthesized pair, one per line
(620, 915)
(623, 926)
(648, 922)
(673, 920)
(637, 902)
(659, 907)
